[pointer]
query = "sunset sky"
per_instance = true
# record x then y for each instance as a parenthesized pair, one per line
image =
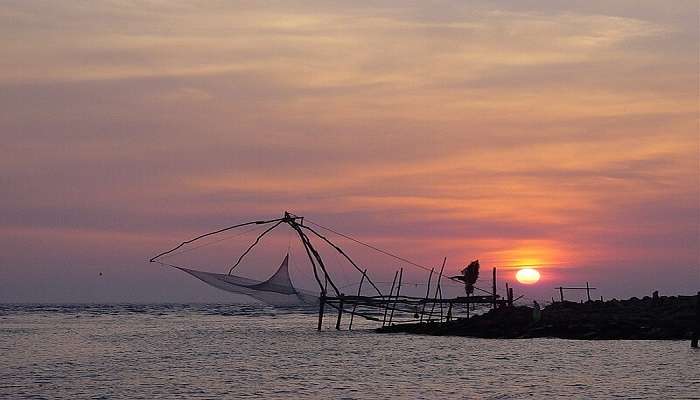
(557, 133)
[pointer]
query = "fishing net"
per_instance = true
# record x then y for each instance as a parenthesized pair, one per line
(278, 290)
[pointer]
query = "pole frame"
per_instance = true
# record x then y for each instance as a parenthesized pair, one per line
(354, 307)
(427, 293)
(438, 291)
(321, 306)
(398, 290)
(391, 292)
(494, 287)
(696, 331)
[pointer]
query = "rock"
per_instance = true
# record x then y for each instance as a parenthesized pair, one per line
(671, 318)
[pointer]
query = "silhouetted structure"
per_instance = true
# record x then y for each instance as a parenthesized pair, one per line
(278, 289)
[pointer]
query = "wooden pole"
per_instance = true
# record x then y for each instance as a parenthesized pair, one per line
(440, 287)
(507, 293)
(696, 331)
(340, 312)
(339, 250)
(391, 292)
(427, 293)
(437, 289)
(398, 290)
(494, 287)
(321, 305)
(588, 291)
(313, 254)
(354, 307)
(468, 304)
(510, 297)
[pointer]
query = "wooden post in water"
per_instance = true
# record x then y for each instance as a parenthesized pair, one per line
(507, 292)
(340, 312)
(388, 301)
(510, 297)
(438, 290)
(398, 290)
(696, 331)
(427, 293)
(441, 309)
(354, 307)
(440, 287)
(321, 305)
(494, 287)
(588, 291)
(468, 306)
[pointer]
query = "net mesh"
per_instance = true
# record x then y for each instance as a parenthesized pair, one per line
(277, 290)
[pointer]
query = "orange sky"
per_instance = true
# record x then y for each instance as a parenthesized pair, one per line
(509, 131)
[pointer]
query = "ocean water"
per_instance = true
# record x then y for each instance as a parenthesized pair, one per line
(231, 351)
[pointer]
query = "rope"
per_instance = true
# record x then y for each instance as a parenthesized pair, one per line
(253, 245)
(385, 252)
(370, 246)
(294, 267)
(228, 228)
(213, 242)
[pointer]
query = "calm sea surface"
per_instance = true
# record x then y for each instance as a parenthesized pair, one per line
(230, 351)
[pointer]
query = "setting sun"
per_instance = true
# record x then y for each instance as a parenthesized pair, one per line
(527, 276)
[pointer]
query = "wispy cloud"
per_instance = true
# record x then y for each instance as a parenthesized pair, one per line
(510, 131)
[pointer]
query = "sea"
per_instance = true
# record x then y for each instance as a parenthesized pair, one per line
(224, 351)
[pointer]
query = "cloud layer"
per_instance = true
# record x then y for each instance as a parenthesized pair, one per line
(514, 132)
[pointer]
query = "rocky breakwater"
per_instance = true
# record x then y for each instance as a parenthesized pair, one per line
(659, 318)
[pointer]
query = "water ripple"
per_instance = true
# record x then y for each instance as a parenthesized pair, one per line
(231, 351)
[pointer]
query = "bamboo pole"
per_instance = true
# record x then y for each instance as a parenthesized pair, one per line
(510, 297)
(507, 291)
(257, 240)
(340, 312)
(398, 290)
(212, 233)
(468, 304)
(427, 293)
(311, 257)
(325, 239)
(444, 261)
(310, 248)
(588, 291)
(354, 307)
(391, 292)
(494, 287)
(437, 289)
(322, 304)
(696, 331)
